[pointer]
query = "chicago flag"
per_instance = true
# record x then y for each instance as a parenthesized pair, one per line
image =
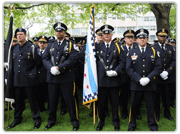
(90, 89)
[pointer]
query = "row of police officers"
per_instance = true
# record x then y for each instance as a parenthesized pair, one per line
(137, 68)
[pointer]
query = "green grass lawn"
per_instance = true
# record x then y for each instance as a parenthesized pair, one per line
(86, 123)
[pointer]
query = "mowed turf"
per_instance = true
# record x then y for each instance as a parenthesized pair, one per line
(86, 123)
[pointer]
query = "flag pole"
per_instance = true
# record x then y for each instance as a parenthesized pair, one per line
(94, 104)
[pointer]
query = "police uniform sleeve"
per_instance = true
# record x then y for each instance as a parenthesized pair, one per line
(129, 69)
(157, 68)
(46, 57)
(70, 61)
(121, 61)
(173, 63)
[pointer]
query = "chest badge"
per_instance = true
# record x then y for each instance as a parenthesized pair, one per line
(29, 55)
(52, 49)
(170, 52)
(134, 57)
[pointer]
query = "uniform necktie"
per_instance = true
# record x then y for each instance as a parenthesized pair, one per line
(142, 51)
(59, 43)
(129, 48)
(107, 47)
(162, 46)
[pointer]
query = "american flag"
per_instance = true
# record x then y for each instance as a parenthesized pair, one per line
(90, 87)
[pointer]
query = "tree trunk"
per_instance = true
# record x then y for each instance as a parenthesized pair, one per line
(161, 12)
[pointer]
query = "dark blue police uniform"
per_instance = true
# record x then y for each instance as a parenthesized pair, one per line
(108, 59)
(139, 66)
(25, 62)
(65, 80)
(164, 86)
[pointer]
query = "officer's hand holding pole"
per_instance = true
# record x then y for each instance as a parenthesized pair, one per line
(111, 73)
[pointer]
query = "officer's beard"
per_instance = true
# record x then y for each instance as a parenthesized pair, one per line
(60, 38)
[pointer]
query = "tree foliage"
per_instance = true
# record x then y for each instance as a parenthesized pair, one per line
(47, 13)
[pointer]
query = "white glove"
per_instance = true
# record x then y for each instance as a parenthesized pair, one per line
(54, 71)
(164, 74)
(6, 65)
(144, 81)
(111, 73)
(11, 102)
(165, 78)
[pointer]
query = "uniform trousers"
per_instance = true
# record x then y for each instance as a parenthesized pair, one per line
(135, 101)
(163, 89)
(114, 98)
(68, 92)
(19, 100)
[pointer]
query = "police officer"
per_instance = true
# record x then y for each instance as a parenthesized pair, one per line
(25, 62)
(35, 39)
(67, 36)
(125, 88)
(143, 66)
(51, 39)
(42, 86)
(59, 58)
(167, 76)
(110, 62)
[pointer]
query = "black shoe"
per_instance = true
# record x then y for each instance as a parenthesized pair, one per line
(169, 117)
(49, 125)
(173, 105)
(63, 113)
(90, 115)
(13, 125)
(131, 129)
(99, 128)
(37, 125)
(116, 128)
(75, 127)
(100, 125)
(106, 115)
(139, 117)
(124, 116)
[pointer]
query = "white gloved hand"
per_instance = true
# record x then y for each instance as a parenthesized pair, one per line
(165, 78)
(11, 102)
(54, 71)
(144, 81)
(111, 73)
(164, 74)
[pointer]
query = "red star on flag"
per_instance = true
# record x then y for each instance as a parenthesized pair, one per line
(87, 86)
(84, 75)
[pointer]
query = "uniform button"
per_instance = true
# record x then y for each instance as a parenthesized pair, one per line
(107, 66)
(107, 60)
(19, 60)
(143, 70)
(56, 62)
(143, 65)
(57, 52)
(19, 55)
(107, 55)
(18, 65)
(39, 72)
(164, 69)
(164, 64)
(19, 71)
(143, 75)
(164, 59)
(56, 57)
(30, 74)
(143, 59)
(69, 70)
